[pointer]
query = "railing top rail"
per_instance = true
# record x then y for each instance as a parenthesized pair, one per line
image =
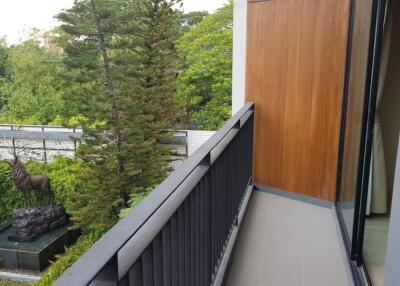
(37, 126)
(89, 265)
(33, 135)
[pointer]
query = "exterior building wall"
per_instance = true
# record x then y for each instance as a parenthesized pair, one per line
(295, 65)
(390, 106)
(239, 54)
(392, 273)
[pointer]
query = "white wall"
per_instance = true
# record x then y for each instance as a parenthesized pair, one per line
(239, 54)
(390, 107)
(390, 128)
(392, 273)
(196, 138)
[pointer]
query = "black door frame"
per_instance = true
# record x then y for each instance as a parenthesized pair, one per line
(345, 234)
(354, 244)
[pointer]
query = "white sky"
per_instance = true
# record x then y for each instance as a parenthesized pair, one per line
(19, 16)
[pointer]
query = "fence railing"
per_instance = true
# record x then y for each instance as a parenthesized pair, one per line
(42, 128)
(182, 233)
(38, 142)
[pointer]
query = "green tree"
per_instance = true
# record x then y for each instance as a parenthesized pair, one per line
(205, 84)
(32, 92)
(157, 72)
(190, 19)
(121, 61)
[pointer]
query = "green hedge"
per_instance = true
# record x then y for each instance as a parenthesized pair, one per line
(62, 171)
(72, 254)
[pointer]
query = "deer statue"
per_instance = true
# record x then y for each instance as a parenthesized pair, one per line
(26, 182)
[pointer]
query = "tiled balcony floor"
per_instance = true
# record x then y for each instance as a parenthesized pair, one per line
(288, 242)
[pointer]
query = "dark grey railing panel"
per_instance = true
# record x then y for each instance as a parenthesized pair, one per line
(133, 249)
(177, 235)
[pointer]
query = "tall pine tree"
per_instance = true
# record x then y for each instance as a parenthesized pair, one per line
(117, 57)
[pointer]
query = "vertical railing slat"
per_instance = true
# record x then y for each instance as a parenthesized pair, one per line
(197, 235)
(148, 267)
(187, 243)
(174, 251)
(181, 245)
(136, 274)
(167, 260)
(158, 260)
(192, 261)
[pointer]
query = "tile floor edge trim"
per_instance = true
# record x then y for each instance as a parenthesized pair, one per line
(294, 196)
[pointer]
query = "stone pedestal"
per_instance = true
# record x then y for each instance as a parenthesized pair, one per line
(33, 237)
(34, 255)
(29, 223)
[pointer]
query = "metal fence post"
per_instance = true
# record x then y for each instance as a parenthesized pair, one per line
(44, 151)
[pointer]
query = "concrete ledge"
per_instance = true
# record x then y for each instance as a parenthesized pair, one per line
(19, 277)
(34, 256)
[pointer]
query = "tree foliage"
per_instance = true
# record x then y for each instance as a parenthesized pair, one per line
(205, 84)
(190, 19)
(31, 89)
(121, 61)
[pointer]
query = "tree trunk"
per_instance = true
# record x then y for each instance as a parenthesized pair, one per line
(110, 86)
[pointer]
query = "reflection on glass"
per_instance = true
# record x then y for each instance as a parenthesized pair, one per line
(374, 250)
(355, 106)
(386, 134)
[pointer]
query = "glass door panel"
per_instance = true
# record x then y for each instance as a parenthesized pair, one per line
(353, 108)
(385, 146)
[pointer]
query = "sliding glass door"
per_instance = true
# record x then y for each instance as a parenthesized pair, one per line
(358, 123)
(353, 110)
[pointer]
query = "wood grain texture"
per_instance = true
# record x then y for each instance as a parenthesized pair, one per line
(357, 82)
(296, 53)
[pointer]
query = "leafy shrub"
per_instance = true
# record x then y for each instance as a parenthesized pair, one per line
(63, 173)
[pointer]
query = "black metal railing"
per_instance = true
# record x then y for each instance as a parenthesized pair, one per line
(182, 233)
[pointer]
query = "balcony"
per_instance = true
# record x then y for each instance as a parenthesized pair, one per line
(209, 224)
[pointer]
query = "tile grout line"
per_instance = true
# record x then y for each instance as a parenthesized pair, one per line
(342, 249)
(267, 220)
(302, 270)
(302, 248)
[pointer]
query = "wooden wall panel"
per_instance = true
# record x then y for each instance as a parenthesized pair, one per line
(296, 53)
